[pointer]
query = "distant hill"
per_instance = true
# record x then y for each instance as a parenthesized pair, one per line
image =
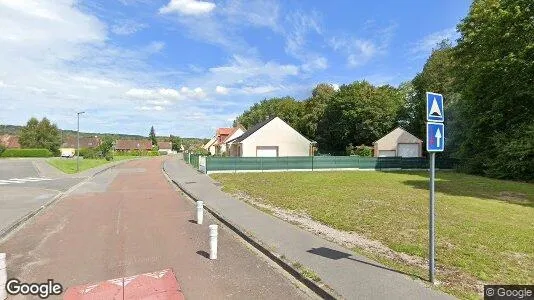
(15, 130)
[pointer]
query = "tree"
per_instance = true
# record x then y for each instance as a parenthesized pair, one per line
(41, 134)
(286, 108)
(176, 143)
(106, 147)
(152, 136)
(494, 68)
(359, 113)
(314, 109)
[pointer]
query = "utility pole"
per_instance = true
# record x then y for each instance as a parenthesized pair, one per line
(78, 139)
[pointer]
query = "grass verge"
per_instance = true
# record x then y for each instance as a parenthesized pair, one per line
(68, 165)
(484, 226)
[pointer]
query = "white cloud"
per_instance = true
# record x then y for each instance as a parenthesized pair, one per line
(166, 93)
(219, 90)
(259, 89)
(318, 63)
(429, 42)
(154, 47)
(149, 108)
(358, 51)
(244, 68)
(188, 7)
(127, 27)
(335, 86)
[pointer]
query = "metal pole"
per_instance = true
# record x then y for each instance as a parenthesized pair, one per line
(431, 215)
(78, 147)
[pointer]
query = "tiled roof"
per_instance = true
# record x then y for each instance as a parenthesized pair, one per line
(10, 141)
(164, 145)
(224, 131)
(133, 145)
(251, 130)
(85, 142)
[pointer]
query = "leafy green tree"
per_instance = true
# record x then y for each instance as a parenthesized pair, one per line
(314, 109)
(152, 136)
(40, 134)
(176, 143)
(494, 68)
(286, 108)
(106, 147)
(359, 113)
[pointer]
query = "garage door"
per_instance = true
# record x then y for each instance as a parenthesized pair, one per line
(267, 151)
(408, 150)
(386, 153)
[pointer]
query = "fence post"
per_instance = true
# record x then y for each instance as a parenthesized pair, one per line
(261, 164)
(313, 157)
(206, 164)
(235, 164)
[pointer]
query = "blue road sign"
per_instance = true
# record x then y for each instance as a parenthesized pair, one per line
(435, 137)
(434, 107)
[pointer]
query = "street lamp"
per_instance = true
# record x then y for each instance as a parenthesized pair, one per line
(78, 138)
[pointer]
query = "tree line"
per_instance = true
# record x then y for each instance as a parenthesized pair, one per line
(486, 77)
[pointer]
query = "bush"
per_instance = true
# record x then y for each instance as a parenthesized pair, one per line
(89, 153)
(27, 153)
(153, 153)
(136, 153)
(2, 149)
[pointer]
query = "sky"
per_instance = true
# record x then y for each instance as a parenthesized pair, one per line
(187, 67)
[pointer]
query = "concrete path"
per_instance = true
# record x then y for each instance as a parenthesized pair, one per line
(130, 220)
(349, 275)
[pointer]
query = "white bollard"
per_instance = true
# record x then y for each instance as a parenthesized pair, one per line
(213, 241)
(200, 212)
(3, 276)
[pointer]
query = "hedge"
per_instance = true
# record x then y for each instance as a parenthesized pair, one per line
(27, 153)
(136, 153)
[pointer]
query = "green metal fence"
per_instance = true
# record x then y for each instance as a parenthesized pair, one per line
(237, 164)
(192, 159)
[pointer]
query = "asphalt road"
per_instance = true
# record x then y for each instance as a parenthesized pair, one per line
(24, 188)
(131, 220)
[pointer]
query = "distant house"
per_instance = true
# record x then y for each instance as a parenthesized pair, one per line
(130, 145)
(398, 142)
(210, 145)
(218, 144)
(271, 138)
(9, 141)
(70, 144)
(165, 147)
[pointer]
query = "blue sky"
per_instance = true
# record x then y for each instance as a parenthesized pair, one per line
(189, 66)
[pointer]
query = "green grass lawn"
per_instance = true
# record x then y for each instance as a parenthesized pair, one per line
(485, 227)
(68, 165)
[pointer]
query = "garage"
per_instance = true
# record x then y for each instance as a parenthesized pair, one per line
(267, 151)
(408, 150)
(399, 143)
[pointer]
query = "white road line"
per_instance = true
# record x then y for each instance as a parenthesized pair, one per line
(22, 180)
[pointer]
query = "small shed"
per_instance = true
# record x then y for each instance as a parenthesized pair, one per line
(398, 142)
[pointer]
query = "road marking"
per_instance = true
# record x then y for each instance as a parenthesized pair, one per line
(22, 180)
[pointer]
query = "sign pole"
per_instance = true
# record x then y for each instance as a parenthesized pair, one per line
(431, 215)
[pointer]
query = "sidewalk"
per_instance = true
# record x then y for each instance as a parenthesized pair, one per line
(349, 275)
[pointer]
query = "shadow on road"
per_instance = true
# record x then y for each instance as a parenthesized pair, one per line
(203, 253)
(335, 255)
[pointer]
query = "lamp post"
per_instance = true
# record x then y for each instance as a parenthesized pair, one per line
(78, 139)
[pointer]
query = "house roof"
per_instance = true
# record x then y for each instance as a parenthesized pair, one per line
(164, 145)
(85, 142)
(224, 131)
(402, 136)
(10, 141)
(133, 144)
(249, 132)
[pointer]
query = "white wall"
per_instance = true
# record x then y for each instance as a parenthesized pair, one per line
(277, 133)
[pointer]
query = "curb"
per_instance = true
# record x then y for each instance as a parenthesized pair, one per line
(5, 232)
(317, 289)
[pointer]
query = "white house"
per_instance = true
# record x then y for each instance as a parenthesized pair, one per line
(210, 145)
(398, 142)
(270, 138)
